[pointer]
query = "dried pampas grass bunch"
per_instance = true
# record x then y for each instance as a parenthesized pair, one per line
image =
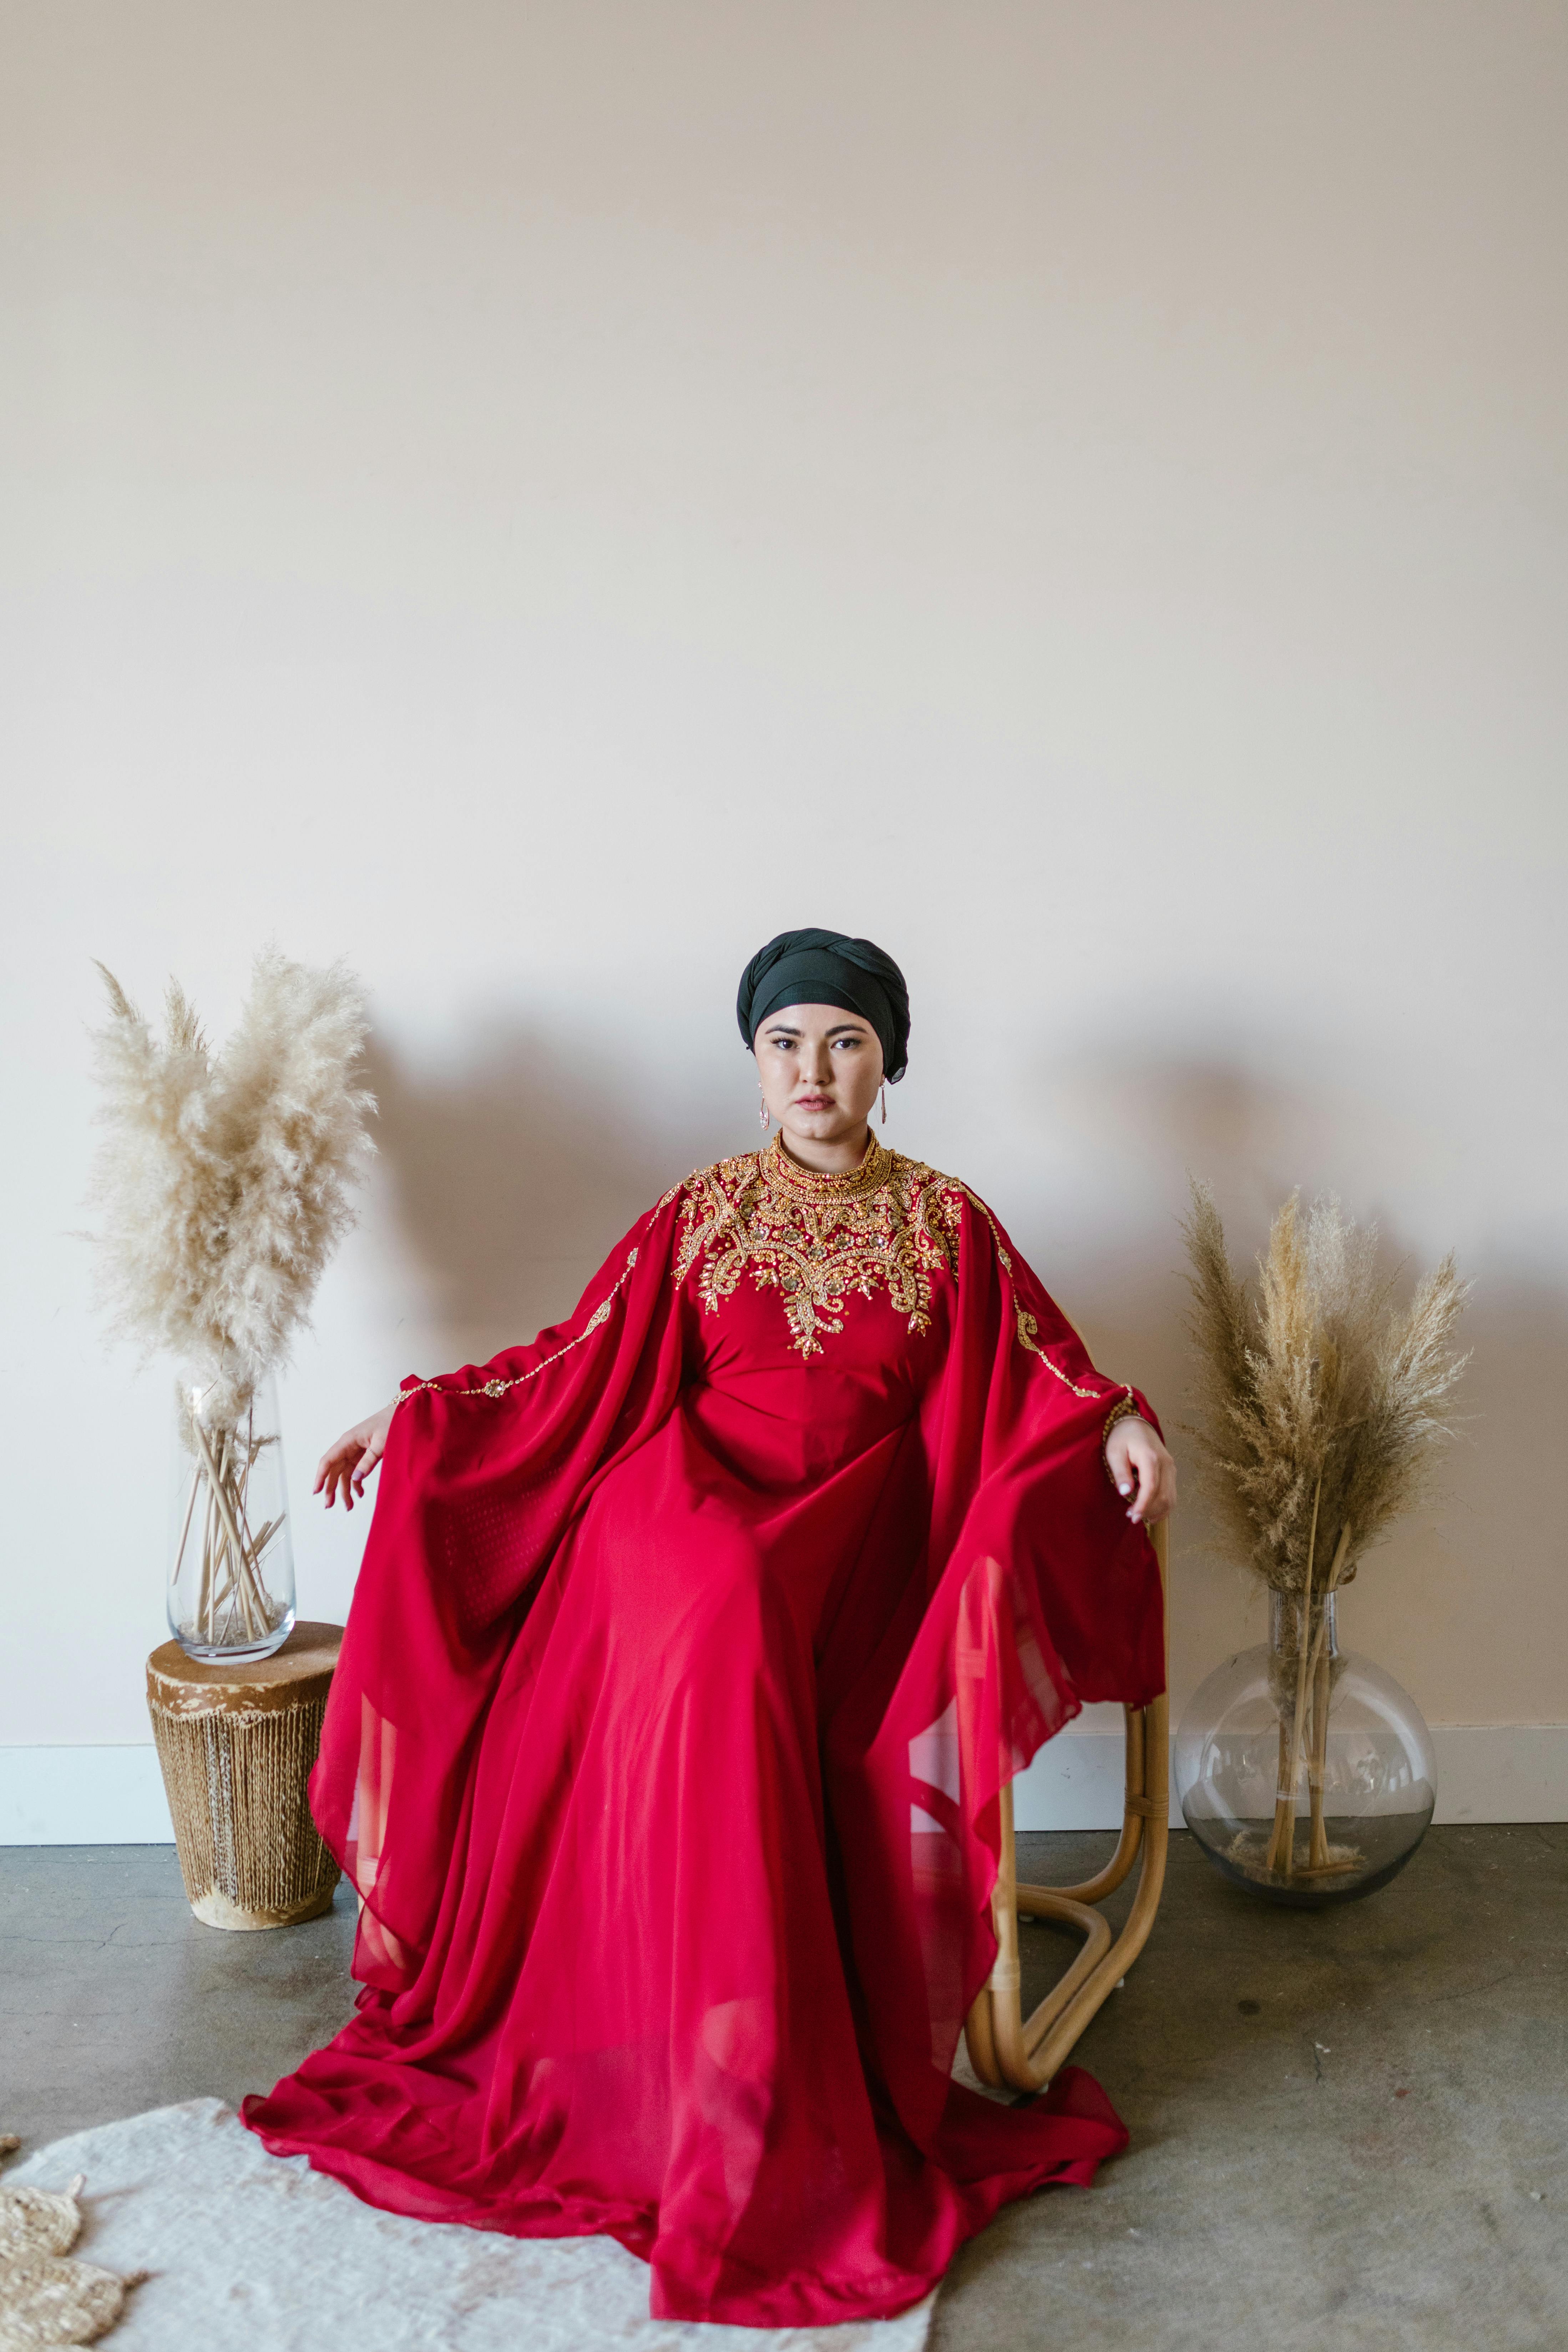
(1322, 1405)
(226, 1178)
(1322, 1401)
(225, 1181)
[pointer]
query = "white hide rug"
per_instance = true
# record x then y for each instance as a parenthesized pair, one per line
(252, 2252)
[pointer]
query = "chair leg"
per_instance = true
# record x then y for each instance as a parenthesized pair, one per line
(1006, 2048)
(1106, 1881)
(1051, 2051)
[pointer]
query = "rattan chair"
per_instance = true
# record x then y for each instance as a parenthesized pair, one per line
(1023, 2052)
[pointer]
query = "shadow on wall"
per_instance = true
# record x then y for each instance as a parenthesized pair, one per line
(1151, 1124)
(1484, 1567)
(1146, 1123)
(1491, 1520)
(514, 1175)
(1255, 1136)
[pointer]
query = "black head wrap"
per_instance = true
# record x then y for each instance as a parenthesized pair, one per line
(826, 968)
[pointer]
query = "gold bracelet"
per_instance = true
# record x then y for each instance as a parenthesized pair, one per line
(1125, 1409)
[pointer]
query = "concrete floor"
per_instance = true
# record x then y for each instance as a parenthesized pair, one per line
(1349, 2128)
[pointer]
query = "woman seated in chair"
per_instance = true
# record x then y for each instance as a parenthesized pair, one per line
(692, 1647)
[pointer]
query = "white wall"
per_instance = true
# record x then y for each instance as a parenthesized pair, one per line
(535, 499)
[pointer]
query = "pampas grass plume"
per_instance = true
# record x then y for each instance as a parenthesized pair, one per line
(1321, 1401)
(225, 1178)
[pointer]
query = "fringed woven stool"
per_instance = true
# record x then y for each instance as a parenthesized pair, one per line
(237, 1744)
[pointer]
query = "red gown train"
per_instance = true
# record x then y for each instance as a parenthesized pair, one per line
(692, 1648)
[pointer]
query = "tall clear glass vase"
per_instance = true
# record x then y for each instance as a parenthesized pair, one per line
(1304, 1774)
(231, 1581)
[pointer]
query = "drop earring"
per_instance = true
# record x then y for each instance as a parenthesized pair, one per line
(884, 1105)
(764, 1115)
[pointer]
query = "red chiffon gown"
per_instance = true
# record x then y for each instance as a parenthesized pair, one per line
(693, 1646)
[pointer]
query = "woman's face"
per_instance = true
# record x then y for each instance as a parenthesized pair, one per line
(820, 1067)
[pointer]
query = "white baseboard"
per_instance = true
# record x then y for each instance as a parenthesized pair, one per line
(114, 1796)
(1486, 1772)
(83, 1796)
(1502, 1772)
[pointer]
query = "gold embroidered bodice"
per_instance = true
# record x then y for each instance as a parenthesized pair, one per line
(891, 1223)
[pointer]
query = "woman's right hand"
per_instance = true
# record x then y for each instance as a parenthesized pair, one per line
(346, 1466)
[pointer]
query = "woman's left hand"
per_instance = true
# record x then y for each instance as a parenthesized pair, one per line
(1142, 1470)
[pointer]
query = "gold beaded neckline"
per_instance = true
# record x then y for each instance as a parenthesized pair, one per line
(787, 1176)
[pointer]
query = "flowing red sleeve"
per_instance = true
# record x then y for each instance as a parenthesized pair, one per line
(483, 1471)
(1036, 1595)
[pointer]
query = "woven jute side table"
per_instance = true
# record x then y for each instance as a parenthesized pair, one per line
(237, 1744)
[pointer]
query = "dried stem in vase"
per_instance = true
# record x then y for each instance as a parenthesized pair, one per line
(1322, 1406)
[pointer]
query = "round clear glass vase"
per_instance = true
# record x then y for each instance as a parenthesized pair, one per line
(231, 1581)
(1306, 1775)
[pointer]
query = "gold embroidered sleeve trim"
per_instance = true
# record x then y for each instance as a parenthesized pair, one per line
(1127, 1410)
(1028, 1327)
(596, 1321)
